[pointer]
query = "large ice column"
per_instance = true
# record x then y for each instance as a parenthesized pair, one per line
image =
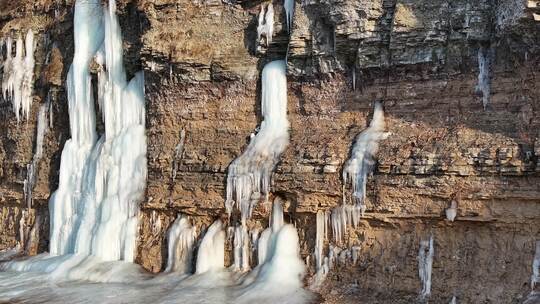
(425, 263)
(211, 254)
(362, 160)
(181, 240)
(249, 175)
(88, 37)
(95, 209)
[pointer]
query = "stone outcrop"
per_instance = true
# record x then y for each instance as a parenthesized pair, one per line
(418, 57)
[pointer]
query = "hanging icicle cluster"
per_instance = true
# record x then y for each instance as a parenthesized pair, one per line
(18, 73)
(249, 175)
(265, 27)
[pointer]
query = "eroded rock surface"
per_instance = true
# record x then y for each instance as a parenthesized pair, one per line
(419, 58)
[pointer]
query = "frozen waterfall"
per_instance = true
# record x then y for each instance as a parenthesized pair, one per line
(95, 209)
(249, 175)
(362, 160)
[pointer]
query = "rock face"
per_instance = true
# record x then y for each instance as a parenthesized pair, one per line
(419, 58)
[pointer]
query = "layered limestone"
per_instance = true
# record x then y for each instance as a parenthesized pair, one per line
(418, 58)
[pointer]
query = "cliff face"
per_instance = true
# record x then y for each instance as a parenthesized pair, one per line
(419, 58)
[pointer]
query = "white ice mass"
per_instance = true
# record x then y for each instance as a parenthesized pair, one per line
(249, 175)
(18, 74)
(425, 263)
(265, 27)
(358, 167)
(95, 209)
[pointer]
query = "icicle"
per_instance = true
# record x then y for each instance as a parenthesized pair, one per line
(425, 262)
(211, 255)
(535, 278)
(31, 174)
(362, 160)
(7, 79)
(451, 212)
(178, 151)
(454, 300)
(18, 76)
(322, 219)
(485, 58)
(249, 175)
(277, 221)
(155, 220)
(338, 219)
(181, 239)
(27, 83)
(355, 251)
(321, 262)
(354, 78)
(33, 238)
(289, 13)
(22, 229)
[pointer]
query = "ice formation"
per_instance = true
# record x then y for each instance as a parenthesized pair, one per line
(278, 279)
(242, 248)
(451, 212)
(18, 78)
(31, 172)
(454, 300)
(485, 58)
(425, 262)
(535, 278)
(178, 152)
(181, 240)
(362, 160)
(95, 209)
(321, 235)
(211, 255)
(265, 27)
(322, 266)
(342, 217)
(250, 174)
(289, 13)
